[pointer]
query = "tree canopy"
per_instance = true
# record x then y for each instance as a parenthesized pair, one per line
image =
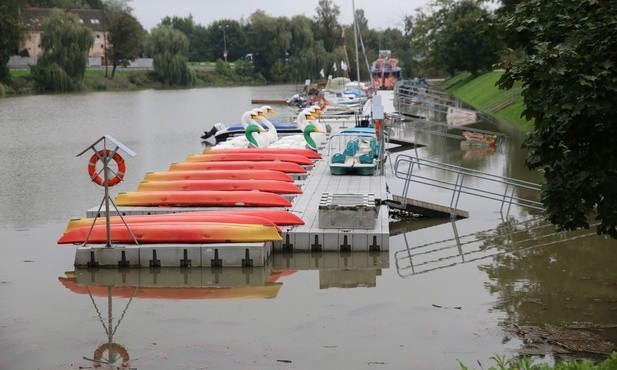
(126, 36)
(168, 48)
(65, 45)
(10, 35)
(569, 79)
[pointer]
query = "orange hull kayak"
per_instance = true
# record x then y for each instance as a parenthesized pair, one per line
(202, 198)
(243, 156)
(218, 174)
(175, 217)
(173, 232)
(305, 152)
(270, 186)
(286, 167)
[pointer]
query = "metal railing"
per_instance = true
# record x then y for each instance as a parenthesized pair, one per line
(407, 168)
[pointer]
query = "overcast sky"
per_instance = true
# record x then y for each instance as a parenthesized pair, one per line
(379, 13)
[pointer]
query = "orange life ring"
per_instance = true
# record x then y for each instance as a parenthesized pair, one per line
(98, 179)
(324, 102)
(98, 354)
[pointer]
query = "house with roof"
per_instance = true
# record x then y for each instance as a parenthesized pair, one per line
(94, 19)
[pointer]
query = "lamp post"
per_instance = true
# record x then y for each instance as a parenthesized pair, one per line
(224, 42)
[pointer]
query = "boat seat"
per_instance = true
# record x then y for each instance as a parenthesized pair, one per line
(338, 158)
(366, 158)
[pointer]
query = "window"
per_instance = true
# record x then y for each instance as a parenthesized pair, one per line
(94, 21)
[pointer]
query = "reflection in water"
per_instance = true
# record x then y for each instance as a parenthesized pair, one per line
(546, 281)
(342, 270)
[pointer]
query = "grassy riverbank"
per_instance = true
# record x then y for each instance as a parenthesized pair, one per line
(126, 80)
(482, 94)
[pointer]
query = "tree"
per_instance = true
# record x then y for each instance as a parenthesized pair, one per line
(327, 26)
(569, 79)
(126, 36)
(65, 43)
(10, 35)
(169, 47)
(464, 43)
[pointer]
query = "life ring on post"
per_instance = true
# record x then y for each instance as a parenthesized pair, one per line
(94, 176)
(98, 354)
(324, 102)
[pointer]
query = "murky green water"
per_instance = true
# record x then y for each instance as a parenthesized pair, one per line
(445, 292)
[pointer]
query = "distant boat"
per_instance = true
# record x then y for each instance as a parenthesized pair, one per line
(385, 71)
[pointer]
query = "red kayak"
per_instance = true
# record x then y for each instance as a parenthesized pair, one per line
(173, 232)
(286, 167)
(271, 186)
(279, 217)
(202, 198)
(213, 216)
(218, 174)
(243, 156)
(305, 152)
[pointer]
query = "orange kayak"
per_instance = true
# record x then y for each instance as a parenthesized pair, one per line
(218, 174)
(305, 152)
(271, 186)
(212, 216)
(244, 156)
(173, 232)
(286, 167)
(202, 198)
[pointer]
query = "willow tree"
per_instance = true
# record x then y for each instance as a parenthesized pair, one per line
(66, 44)
(169, 48)
(10, 34)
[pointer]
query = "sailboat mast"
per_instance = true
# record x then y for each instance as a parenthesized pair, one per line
(355, 34)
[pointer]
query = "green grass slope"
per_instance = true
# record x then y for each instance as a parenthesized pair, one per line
(482, 94)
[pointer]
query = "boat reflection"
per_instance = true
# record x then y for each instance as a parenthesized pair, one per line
(343, 270)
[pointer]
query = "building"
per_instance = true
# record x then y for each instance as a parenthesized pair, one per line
(94, 19)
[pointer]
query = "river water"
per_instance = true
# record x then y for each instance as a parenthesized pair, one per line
(445, 292)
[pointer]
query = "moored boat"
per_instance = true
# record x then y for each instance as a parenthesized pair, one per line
(385, 71)
(218, 174)
(242, 156)
(480, 138)
(286, 167)
(172, 232)
(271, 186)
(202, 198)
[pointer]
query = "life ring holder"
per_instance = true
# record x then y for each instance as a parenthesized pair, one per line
(98, 353)
(324, 102)
(100, 155)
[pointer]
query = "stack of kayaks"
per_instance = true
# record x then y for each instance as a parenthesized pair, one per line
(231, 180)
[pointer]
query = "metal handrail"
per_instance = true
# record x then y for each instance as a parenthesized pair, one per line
(404, 169)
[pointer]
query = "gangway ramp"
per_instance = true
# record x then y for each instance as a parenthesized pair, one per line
(464, 181)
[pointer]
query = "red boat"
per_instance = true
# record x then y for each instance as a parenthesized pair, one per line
(213, 216)
(298, 151)
(245, 156)
(218, 174)
(286, 167)
(270, 186)
(202, 198)
(172, 232)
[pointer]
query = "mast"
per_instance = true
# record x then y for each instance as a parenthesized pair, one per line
(355, 34)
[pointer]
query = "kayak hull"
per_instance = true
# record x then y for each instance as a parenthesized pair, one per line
(271, 186)
(174, 217)
(202, 198)
(245, 156)
(218, 174)
(286, 167)
(298, 151)
(172, 232)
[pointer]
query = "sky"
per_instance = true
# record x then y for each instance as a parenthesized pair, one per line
(380, 14)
